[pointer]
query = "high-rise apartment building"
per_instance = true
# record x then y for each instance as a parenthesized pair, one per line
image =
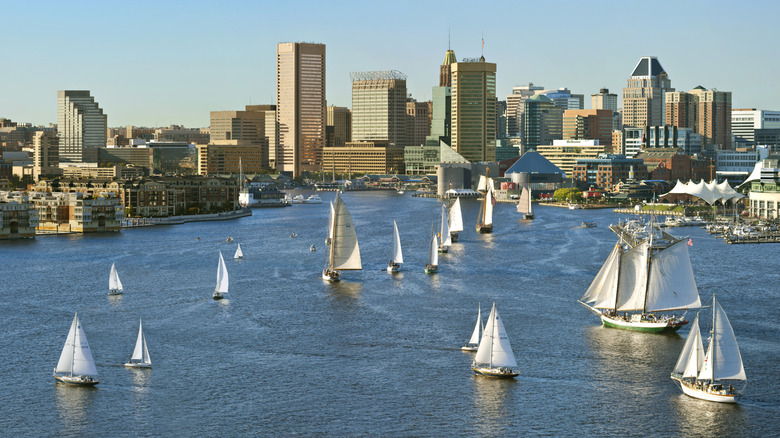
(643, 98)
(300, 106)
(338, 126)
(379, 106)
(588, 125)
(745, 121)
(45, 153)
(604, 100)
(707, 112)
(418, 125)
(81, 126)
(542, 122)
(474, 109)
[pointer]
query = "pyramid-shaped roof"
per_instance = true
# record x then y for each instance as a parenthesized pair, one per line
(648, 66)
(534, 162)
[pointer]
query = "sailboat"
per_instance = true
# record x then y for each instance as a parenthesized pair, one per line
(705, 375)
(456, 220)
(76, 365)
(445, 241)
(140, 357)
(432, 266)
(344, 252)
(222, 279)
(398, 256)
(494, 356)
(485, 219)
(114, 284)
(524, 205)
(641, 280)
(473, 343)
(239, 254)
(330, 224)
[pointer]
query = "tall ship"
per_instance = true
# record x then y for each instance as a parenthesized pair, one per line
(455, 220)
(485, 218)
(638, 286)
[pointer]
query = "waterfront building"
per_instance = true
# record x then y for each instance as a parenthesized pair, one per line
(474, 109)
(379, 106)
(246, 126)
(735, 166)
(93, 170)
(707, 112)
(542, 122)
(45, 154)
(745, 122)
(643, 97)
(300, 106)
(18, 216)
(81, 126)
(764, 196)
(230, 157)
(178, 133)
(606, 170)
(536, 172)
(78, 212)
(418, 126)
(674, 163)
(338, 126)
(270, 138)
(588, 124)
(378, 157)
(565, 153)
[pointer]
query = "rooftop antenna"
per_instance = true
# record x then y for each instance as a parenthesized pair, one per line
(449, 39)
(483, 44)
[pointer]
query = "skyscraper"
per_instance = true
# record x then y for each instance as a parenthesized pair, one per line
(81, 126)
(418, 124)
(707, 112)
(338, 126)
(604, 100)
(643, 98)
(515, 105)
(474, 109)
(300, 106)
(379, 106)
(445, 70)
(542, 122)
(241, 127)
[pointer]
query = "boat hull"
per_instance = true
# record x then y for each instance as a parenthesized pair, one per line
(528, 216)
(217, 295)
(469, 348)
(717, 397)
(115, 292)
(138, 365)
(642, 326)
(393, 267)
(77, 380)
(454, 236)
(330, 275)
(501, 373)
(443, 249)
(484, 229)
(431, 269)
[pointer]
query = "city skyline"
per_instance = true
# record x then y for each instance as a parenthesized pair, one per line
(151, 64)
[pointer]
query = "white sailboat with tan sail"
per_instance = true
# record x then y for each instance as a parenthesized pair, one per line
(455, 220)
(485, 218)
(712, 375)
(445, 241)
(524, 205)
(140, 358)
(222, 279)
(494, 356)
(344, 251)
(114, 284)
(476, 335)
(76, 365)
(398, 255)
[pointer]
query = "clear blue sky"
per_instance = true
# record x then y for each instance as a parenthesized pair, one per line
(154, 63)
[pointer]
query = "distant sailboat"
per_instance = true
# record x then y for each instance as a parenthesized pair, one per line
(494, 356)
(76, 365)
(344, 253)
(140, 357)
(473, 343)
(524, 205)
(642, 280)
(445, 241)
(239, 254)
(705, 375)
(222, 279)
(485, 219)
(456, 220)
(432, 266)
(398, 256)
(114, 284)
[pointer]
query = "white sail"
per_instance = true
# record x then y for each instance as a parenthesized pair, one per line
(456, 217)
(487, 218)
(141, 353)
(524, 205)
(486, 343)
(113, 280)
(434, 256)
(330, 224)
(633, 278)
(222, 276)
(239, 253)
(446, 240)
(344, 250)
(398, 255)
(692, 355)
(475, 335)
(494, 348)
(601, 293)
(482, 184)
(672, 285)
(76, 358)
(724, 361)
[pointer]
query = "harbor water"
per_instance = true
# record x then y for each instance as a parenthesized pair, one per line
(286, 353)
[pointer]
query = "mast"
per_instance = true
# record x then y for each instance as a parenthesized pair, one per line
(617, 280)
(335, 227)
(493, 333)
(712, 343)
(649, 260)
(73, 351)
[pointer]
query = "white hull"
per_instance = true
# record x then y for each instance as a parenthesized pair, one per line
(393, 267)
(138, 365)
(330, 276)
(470, 347)
(706, 395)
(115, 292)
(495, 372)
(77, 380)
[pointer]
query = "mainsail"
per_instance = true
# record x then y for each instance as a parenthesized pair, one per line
(330, 224)
(692, 355)
(113, 280)
(524, 205)
(239, 254)
(76, 357)
(398, 255)
(141, 353)
(487, 218)
(344, 249)
(475, 335)
(723, 360)
(456, 217)
(446, 240)
(494, 348)
(222, 276)
(433, 258)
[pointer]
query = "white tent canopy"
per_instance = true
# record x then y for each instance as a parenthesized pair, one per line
(710, 192)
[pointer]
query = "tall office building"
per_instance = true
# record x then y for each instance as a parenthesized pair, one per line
(643, 98)
(745, 121)
(542, 122)
(515, 105)
(563, 99)
(45, 153)
(248, 127)
(270, 132)
(379, 106)
(707, 112)
(474, 109)
(338, 126)
(588, 125)
(604, 100)
(300, 106)
(81, 126)
(418, 125)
